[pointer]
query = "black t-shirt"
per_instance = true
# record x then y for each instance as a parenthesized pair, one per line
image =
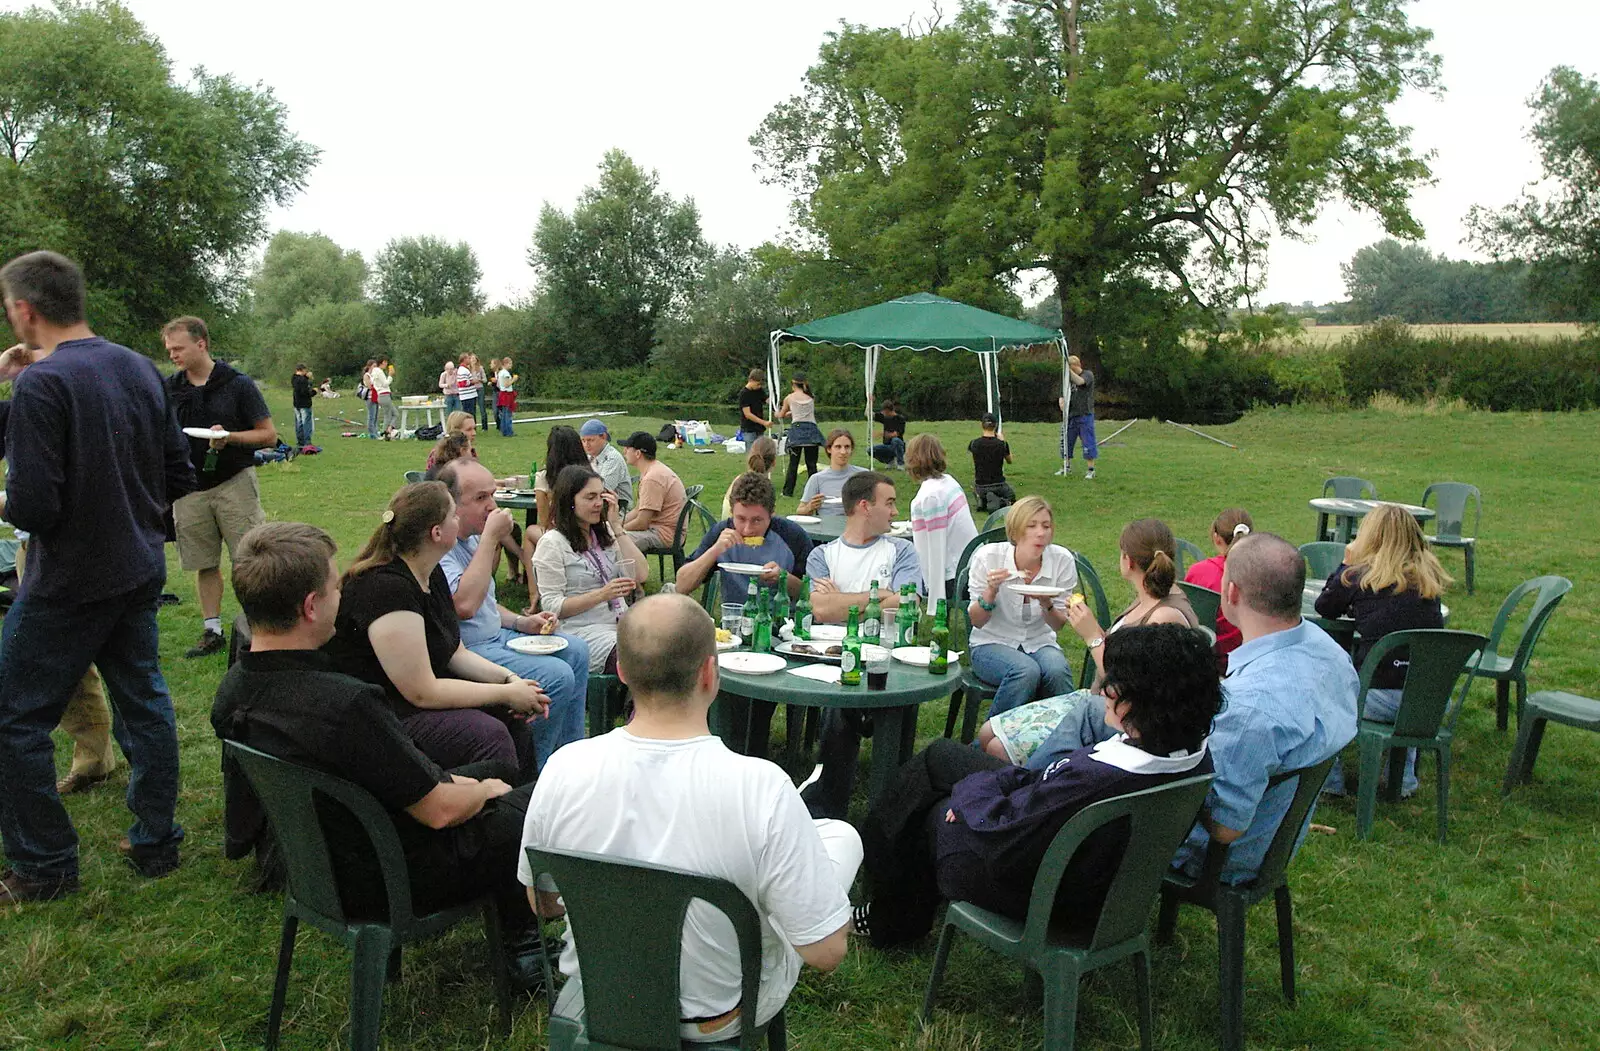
(294, 705)
(756, 401)
(1377, 613)
(387, 589)
(229, 398)
(988, 459)
(302, 390)
(894, 424)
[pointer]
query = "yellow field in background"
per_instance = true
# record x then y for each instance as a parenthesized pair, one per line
(1326, 335)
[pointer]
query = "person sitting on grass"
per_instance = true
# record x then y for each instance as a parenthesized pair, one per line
(398, 628)
(1229, 526)
(892, 450)
(460, 830)
(823, 490)
(665, 791)
(607, 462)
(990, 453)
(958, 825)
(1389, 581)
(586, 566)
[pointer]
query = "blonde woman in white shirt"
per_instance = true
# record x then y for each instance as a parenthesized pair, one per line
(378, 379)
(1013, 640)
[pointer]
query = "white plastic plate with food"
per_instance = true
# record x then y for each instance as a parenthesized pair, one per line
(205, 432)
(1037, 590)
(751, 663)
(918, 656)
(537, 645)
(727, 640)
(816, 650)
(805, 519)
(749, 569)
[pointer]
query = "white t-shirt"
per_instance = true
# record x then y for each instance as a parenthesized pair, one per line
(696, 805)
(1013, 622)
(378, 379)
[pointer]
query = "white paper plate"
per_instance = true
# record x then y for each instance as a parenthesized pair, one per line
(204, 432)
(732, 644)
(805, 519)
(787, 648)
(917, 656)
(833, 499)
(1037, 590)
(827, 632)
(537, 645)
(751, 663)
(749, 569)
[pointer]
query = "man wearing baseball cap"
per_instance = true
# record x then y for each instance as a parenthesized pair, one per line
(607, 462)
(654, 518)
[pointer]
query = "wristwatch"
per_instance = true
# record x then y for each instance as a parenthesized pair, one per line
(1097, 642)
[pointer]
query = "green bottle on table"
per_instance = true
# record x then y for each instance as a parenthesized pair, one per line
(761, 637)
(905, 618)
(747, 616)
(939, 649)
(802, 611)
(872, 627)
(850, 658)
(780, 603)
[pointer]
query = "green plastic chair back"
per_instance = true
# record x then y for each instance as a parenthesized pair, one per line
(1550, 590)
(987, 536)
(1449, 524)
(413, 477)
(604, 703)
(627, 919)
(996, 519)
(1322, 558)
(1437, 656)
(289, 794)
(1349, 487)
(972, 691)
(1207, 604)
(1188, 555)
(1089, 584)
(710, 593)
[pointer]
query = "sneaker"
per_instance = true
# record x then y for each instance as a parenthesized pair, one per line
(1089, 474)
(1066, 470)
(16, 888)
(167, 598)
(149, 862)
(210, 642)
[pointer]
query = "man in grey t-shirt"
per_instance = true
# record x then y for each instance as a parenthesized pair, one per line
(1078, 411)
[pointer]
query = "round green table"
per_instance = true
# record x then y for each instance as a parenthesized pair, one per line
(894, 710)
(821, 532)
(526, 503)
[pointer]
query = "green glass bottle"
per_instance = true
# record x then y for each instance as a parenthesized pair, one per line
(872, 627)
(780, 603)
(761, 637)
(939, 649)
(802, 611)
(905, 618)
(850, 659)
(747, 616)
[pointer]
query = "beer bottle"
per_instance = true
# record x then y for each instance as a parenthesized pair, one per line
(872, 627)
(761, 640)
(780, 602)
(939, 650)
(802, 611)
(850, 660)
(905, 618)
(747, 618)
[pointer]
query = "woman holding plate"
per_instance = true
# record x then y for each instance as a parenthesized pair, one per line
(1019, 601)
(585, 565)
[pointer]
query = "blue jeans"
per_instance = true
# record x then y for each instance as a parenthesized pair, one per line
(1085, 725)
(1382, 706)
(45, 649)
(372, 419)
(452, 403)
(1020, 677)
(483, 411)
(502, 416)
(470, 407)
(302, 427)
(564, 676)
(892, 450)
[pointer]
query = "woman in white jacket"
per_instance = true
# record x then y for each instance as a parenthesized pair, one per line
(941, 522)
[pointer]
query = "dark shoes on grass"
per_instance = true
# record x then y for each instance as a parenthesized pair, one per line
(16, 888)
(149, 862)
(210, 642)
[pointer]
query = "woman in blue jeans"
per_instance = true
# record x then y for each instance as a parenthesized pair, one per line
(1013, 638)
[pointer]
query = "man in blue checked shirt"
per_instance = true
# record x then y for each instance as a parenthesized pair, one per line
(1290, 703)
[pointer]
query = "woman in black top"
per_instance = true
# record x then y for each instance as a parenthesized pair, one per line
(1389, 581)
(752, 402)
(397, 627)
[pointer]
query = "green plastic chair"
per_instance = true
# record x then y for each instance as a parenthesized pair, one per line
(1207, 605)
(710, 593)
(606, 698)
(1451, 513)
(1188, 555)
(1230, 902)
(1345, 487)
(289, 795)
(1548, 591)
(1158, 819)
(996, 519)
(1089, 584)
(971, 691)
(1546, 706)
(413, 477)
(628, 917)
(1322, 558)
(1427, 717)
(680, 530)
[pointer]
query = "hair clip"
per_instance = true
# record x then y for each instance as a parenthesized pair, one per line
(1241, 530)
(388, 517)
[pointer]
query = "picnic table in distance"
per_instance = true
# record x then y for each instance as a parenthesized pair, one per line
(1346, 511)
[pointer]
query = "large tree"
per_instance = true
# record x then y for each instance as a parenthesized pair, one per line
(1406, 281)
(1137, 151)
(302, 270)
(1556, 223)
(427, 276)
(157, 187)
(625, 260)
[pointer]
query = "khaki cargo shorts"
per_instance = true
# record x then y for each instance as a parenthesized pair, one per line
(209, 519)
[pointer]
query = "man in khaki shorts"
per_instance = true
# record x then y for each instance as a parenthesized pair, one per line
(227, 503)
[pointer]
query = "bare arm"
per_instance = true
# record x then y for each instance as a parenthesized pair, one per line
(829, 953)
(262, 433)
(473, 587)
(400, 641)
(455, 802)
(831, 607)
(1221, 833)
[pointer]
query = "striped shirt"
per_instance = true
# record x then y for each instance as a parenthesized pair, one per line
(941, 529)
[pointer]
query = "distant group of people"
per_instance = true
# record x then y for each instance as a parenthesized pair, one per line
(469, 386)
(407, 675)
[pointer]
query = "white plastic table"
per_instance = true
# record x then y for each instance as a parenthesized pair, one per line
(427, 408)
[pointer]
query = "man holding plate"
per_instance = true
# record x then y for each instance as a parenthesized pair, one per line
(753, 536)
(496, 633)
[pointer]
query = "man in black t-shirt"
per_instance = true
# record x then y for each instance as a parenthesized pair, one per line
(303, 420)
(460, 834)
(990, 454)
(893, 448)
(752, 406)
(213, 395)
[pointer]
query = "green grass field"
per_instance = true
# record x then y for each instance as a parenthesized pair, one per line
(1492, 941)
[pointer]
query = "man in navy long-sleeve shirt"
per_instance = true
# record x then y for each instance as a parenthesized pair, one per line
(94, 460)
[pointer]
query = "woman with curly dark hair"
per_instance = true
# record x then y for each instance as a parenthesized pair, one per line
(961, 825)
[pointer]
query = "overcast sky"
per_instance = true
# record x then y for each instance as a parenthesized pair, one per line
(461, 119)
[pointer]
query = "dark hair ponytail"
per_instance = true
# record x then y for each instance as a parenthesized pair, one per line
(410, 517)
(1149, 545)
(799, 380)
